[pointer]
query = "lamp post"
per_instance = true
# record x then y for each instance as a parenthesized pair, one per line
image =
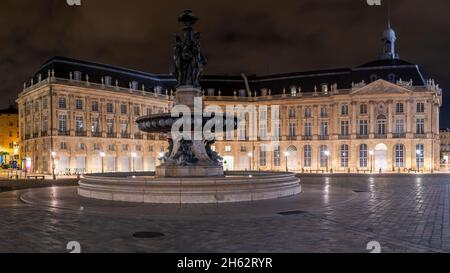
(133, 156)
(286, 154)
(102, 155)
(371, 153)
(327, 154)
(250, 156)
(53, 165)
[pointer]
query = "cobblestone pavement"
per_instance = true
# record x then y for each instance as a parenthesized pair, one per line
(333, 214)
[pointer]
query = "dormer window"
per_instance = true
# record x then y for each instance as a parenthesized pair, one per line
(391, 77)
(108, 80)
(211, 92)
(294, 91)
(373, 77)
(77, 75)
(242, 93)
(134, 85)
(325, 88)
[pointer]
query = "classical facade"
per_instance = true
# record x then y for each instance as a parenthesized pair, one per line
(381, 116)
(9, 136)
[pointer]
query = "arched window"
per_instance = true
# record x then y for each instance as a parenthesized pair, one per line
(324, 154)
(373, 77)
(344, 155)
(392, 77)
(307, 155)
(363, 155)
(381, 125)
(399, 155)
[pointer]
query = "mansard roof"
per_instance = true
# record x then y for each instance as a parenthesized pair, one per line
(387, 69)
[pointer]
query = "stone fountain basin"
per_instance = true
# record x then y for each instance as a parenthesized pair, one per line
(146, 188)
(162, 123)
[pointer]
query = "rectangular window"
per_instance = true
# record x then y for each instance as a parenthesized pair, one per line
(363, 127)
(344, 109)
(308, 129)
(399, 126)
(124, 127)
(324, 128)
(344, 127)
(79, 104)
(363, 153)
(97, 147)
(420, 155)
(79, 124)
(95, 106)
(110, 126)
(227, 148)
(262, 156)
(95, 125)
(323, 112)
(111, 147)
(62, 103)
(45, 103)
(277, 156)
(109, 107)
(344, 156)
(307, 156)
(420, 107)
(123, 109)
(62, 123)
(292, 113)
(399, 108)
(292, 129)
(399, 155)
(308, 112)
(420, 126)
(324, 156)
(363, 109)
(63, 146)
(124, 147)
(137, 111)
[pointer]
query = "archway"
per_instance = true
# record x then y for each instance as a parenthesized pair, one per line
(292, 161)
(380, 157)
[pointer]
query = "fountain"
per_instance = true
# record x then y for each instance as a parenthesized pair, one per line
(191, 171)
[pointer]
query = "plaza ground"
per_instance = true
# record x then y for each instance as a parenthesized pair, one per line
(335, 213)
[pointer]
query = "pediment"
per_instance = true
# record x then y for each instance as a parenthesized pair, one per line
(381, 87)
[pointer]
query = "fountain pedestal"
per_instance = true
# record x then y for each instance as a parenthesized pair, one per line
(189, 158)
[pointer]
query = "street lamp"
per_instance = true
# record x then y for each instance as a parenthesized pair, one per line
(250, 155)
(371, 153)
(286, 154)
(327, 154)
(133, 156)
(102, 155)
(53, 165)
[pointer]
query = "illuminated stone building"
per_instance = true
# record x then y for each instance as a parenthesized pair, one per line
(9, 136)
(380, 116)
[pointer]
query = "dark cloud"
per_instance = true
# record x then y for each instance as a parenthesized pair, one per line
(251, 36)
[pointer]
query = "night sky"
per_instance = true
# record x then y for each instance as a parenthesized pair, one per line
(254, 37)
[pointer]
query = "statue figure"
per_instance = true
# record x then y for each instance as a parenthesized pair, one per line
(215, 157)
(189, 62)
(185, 156)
